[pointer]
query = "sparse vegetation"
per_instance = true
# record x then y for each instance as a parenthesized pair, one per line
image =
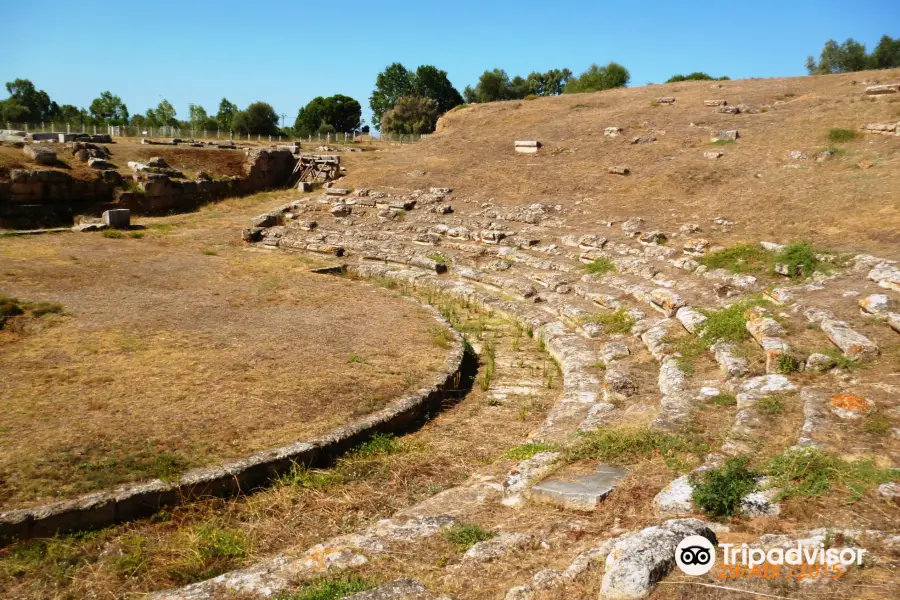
(770, 405)
(439, 258)
(814, 472)
(330, 588)
(526, 451)
(723, 142)
(618, 321)
(718, 491)
(113, 234)
(740, 259)
(728, 324)
(838, 135)
(466, 535)
(631, 445)
(787, 363)
(379, 444)
(724, 400)
(600, 266)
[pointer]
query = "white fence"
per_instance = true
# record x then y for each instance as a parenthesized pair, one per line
(206, 134)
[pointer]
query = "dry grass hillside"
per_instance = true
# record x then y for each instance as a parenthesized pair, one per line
(836, 203)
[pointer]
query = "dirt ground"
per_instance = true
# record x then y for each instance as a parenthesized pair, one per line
(183, 348)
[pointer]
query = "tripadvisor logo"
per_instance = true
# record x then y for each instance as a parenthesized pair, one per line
(695, 555)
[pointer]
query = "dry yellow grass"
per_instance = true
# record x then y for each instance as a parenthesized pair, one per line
(184, 348)
(835, 203)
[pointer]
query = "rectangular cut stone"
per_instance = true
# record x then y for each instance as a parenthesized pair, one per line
(583, 492)
(117, 218)
(877, 90)
(852, 343)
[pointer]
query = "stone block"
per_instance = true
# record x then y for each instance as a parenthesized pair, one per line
(582, 492)
(40, 154)
(117, 218)
(724, 135)
(878, 90)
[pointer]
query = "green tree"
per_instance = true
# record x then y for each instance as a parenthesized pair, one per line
(26, 103)
(431, 82)
(225, 116)
(551, 83)
(411, 115)
(493, 86)
(886, 54)
(391, 84)
(696, 76)
(340, 112)
(69, 112)
(598, 78)
(258, 119)
(839, 58)
(165, 114)
(109, 108)
(198, 115)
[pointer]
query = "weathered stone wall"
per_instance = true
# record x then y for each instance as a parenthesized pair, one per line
(39, 198)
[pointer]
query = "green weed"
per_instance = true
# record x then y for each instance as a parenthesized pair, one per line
(332, 588)
(600, 266)
(619, 321)
(630, 445)
(815, 472)
(113, 234)
(719, 491)
(842, 135)
(464, 536)
(526, 451)
(741, 259)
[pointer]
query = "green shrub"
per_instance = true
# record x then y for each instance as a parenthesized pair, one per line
(466, 535)
(787, 363)
(877, 424)
(113, 234)
(719, 491)
(531, 97)
(801, 259)
(219, 542)
(728, 324)
(208, 252)
(600, 266)
(842, 135)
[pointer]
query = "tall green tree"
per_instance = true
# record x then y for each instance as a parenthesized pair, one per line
(258, 118)
(226, 113)
(598, 78)
(109, 108)
(340, 112)
(431, 82)
(26, 103)
(391, 84)
(411, 115)
(886, 54)
(165, 114)
(839, 58)
(492, 86)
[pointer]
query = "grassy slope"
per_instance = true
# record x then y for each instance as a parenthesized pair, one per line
(835, 203)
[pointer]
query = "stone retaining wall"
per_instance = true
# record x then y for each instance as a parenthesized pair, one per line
(43, 198)
(133, 501)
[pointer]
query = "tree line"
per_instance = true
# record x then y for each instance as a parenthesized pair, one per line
(851, 56)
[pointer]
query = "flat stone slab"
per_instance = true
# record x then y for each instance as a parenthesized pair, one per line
(583, 492)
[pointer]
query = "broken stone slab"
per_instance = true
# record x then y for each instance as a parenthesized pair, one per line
(582, 492)
(691, 319)
(643, 139)
(526, 472)
(767, 384)
(440, 191)
(40, 154)
(878, 90)
(613, 351)
(619, 170)
(713, 154)
(117, 218)
(665, 100)
(612, 132)
(99, 163)
(876, 304)
(724, 135)
(340, 209)
(852, 343)
(715, 103)
(333, 191)
(851, 406)
(638, 560)
(89, 227)
(653, 237)
(498, 547)
(618, 385)
(665, 301)
(762, 327)
(490, 236)
(671, 379)
(886, 275)
(893, 319)
(675, 498)
(269, 219)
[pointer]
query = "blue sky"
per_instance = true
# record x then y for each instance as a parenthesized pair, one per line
(287, 53)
